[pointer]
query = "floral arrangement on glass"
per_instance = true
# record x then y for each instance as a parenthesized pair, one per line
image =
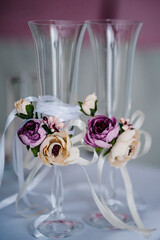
(47, 138)
(44, 137)
(120, 140)
(48, 142)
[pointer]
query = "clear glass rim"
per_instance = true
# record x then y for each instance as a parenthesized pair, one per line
(56, 22)
(114, 21)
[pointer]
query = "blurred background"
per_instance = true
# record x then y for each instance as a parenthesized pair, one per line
(18, 62)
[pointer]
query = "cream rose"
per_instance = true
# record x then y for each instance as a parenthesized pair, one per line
(57, 149)
(89, 103)
(126, 148)
(20, 106)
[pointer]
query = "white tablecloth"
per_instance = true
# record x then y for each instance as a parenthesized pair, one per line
(78, 202)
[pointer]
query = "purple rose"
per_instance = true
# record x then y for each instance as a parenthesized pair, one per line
(101, 131)
(32, 133)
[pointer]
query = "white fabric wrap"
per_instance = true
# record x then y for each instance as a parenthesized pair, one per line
(52, 106)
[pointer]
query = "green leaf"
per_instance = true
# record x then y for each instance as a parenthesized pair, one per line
(80, 104)
(23, 116)
(47, 129)
(95, 106)
(35, 151)
(28, 147)
(109, 149)
(36, 115)
(121, 130)
(84, 112)
(92, 112)
(30, 110)
(98, 149)
(70, 135)
(113, 141)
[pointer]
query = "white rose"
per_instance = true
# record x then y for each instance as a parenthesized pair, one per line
(57, 149)
(126, 148)
(89, 103)
(21, 106)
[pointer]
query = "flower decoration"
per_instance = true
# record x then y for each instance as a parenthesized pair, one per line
(101, 131)
(32, 133)
(47, 139)
(119, 139)
(53, 123)
(89, 105)
(125, 124)
(126, 148)
(45, 136)
(24, 109)
(57, 148)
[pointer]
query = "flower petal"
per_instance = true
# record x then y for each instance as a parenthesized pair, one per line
(127, 135)
(86, 109)
(74, 155)
(112, 134)
(102, 144)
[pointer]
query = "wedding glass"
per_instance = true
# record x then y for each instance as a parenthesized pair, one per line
(114, 44)
(58, 45)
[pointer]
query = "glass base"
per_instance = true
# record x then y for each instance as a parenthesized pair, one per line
(53, 227)
(97, 220)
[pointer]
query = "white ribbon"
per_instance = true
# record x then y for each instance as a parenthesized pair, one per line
(110, 216)
(130, 200)
(10, 118)
(137, 119)
(2, 143)
(147, 143)
(29, 179)
(81, 125)
(37, 179)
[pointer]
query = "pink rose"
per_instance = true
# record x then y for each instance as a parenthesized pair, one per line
(32, 133)
(101, 131)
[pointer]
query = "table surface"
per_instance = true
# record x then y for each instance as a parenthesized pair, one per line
(78, 202)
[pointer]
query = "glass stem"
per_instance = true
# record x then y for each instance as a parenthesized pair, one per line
(57, 191)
